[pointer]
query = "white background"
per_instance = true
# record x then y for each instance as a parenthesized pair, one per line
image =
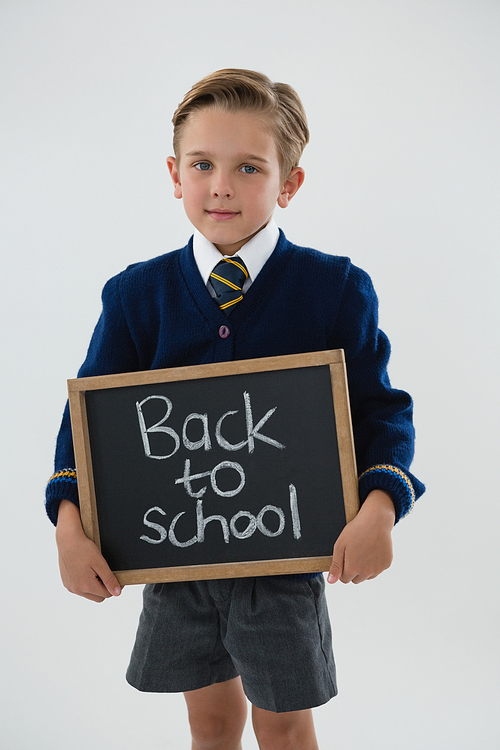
(402, 175)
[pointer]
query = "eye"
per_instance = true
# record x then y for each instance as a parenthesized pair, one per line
(203, 166)
(248, 169)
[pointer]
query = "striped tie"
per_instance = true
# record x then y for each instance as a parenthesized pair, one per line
(227, 279)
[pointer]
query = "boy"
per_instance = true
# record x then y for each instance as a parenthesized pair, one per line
(238, 139)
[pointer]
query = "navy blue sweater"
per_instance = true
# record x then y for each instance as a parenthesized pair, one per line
(159, 314)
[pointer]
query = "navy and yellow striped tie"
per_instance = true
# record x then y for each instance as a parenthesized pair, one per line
(227, 279)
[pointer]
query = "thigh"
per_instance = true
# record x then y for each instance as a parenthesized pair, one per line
(219, 700)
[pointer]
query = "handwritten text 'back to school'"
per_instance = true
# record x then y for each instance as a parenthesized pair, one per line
(243, 524)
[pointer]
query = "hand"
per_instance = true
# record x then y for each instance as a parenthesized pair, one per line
(364, 548)
(84, 571)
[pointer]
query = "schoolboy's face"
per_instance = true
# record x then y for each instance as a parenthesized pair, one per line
(229, 176)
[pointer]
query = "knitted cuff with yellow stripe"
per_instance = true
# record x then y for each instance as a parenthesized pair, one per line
(61, 486)
(66, 475)
(392, 480)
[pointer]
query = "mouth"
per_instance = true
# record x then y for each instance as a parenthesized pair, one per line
(220, 214)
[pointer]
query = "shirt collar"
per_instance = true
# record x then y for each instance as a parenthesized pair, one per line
(254, 253)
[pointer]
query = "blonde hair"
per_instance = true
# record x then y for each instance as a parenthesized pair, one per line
(234, 90)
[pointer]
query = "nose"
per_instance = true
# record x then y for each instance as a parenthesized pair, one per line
(222, 185)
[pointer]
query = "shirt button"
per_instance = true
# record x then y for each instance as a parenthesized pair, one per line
(224, 332)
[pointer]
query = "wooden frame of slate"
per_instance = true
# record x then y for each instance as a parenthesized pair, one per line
(223, 470)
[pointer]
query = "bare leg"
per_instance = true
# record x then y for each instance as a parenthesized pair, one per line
(217, 716)
(293, 730)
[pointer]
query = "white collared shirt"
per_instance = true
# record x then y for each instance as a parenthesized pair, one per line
(254, 253)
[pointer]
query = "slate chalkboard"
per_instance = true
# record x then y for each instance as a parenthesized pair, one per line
(224, 470)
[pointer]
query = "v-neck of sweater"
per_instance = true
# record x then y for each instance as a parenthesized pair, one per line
(261, 286)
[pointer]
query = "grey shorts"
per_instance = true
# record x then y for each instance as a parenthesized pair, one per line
(272, 631)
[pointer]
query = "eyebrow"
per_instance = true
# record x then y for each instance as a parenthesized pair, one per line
(243, 157)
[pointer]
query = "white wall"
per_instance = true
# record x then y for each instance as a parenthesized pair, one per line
(403, 176)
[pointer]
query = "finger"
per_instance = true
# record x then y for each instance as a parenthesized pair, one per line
(89, 587)
(351, 573)
(349, 576)
(93, 590)
(93, 598)
(359, 579)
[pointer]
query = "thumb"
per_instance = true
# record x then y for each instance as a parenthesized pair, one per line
(337, 565)
(108, 578)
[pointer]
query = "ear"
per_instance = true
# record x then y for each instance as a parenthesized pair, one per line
(174, 174)
(294, 181)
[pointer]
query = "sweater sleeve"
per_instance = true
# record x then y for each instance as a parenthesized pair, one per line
(111, 350)
(381, 415)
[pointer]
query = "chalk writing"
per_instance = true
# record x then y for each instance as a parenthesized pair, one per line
(158, 427)
(186, 479)
(160, 529)
(252, 430)
(228, 529)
